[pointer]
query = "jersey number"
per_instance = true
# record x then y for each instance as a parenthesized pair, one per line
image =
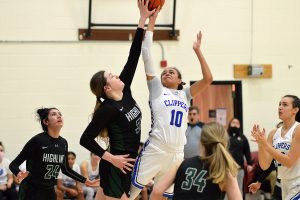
(194, 178)
(53, 171)
(176, 118)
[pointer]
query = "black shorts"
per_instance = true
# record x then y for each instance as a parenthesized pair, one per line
(28, 191)
(113, 181)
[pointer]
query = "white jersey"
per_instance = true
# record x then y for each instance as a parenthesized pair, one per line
(4, 171)
(92, 174)
(67, 181)
(283, 145)
(169, 110)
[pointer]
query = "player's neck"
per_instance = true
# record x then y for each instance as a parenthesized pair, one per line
(54, 132)
(194, 123)
(117, 96)
(94, 163)
(288, 124)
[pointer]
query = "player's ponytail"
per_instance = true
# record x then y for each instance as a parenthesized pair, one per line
(214, 139)
(97, 83)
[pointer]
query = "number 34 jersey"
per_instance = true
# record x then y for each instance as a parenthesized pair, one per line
(191, 182)
(169, 110)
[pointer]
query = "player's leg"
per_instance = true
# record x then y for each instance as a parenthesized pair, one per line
(147, 165)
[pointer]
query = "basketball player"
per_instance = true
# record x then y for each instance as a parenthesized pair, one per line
(207, 176)
(45, 155)
(120, 115)
(283, 145)
(169, 106)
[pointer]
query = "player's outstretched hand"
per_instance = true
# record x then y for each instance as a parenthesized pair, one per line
(197, 43)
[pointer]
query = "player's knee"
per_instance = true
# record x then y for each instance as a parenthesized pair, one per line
(73, 193)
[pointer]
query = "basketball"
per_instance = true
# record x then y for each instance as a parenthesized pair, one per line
(153, 4)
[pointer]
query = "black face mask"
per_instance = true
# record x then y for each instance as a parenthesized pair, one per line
(234, 130)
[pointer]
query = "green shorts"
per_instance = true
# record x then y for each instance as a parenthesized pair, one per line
(113, 181)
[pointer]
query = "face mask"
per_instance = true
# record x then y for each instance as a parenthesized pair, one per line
(233, 130)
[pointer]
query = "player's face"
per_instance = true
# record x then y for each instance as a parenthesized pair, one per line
(285, 109)
(95, 157)
(193, 116)
(55, 119)
(113, 82)
(235, 123)
(169, 78)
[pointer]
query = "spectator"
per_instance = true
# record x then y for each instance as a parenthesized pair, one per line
(90, 168)
(66, 186)
(193, 132)
(7, 187)
(239, 149)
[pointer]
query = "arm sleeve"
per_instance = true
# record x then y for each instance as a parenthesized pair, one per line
(27, 150)
(266, 173)
(103, 116)
(68, 171)
(146, 54)
(128, 71)
(247, 152)
(155, 88)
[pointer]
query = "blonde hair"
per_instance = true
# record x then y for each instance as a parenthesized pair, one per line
(214, 139)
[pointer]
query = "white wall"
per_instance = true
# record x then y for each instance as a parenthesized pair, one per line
(43, 64)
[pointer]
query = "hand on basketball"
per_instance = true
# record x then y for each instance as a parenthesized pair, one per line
(197, 43)
(155, 14)
(144, 11)
(21, 175)
(123, 162)
(152, 20)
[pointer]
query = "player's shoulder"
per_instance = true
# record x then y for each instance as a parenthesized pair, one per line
(40, 136)
(273, 131)
(297, 126)
(109, 105)
(62, 140)
(192, 160)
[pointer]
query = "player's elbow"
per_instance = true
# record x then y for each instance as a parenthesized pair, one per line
(209, 79)
(263, 165)
(83, 140)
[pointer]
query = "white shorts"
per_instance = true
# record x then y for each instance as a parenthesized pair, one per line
(290, 188)
(153, 162)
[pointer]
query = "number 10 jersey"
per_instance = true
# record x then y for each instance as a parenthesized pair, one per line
(169, 110)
